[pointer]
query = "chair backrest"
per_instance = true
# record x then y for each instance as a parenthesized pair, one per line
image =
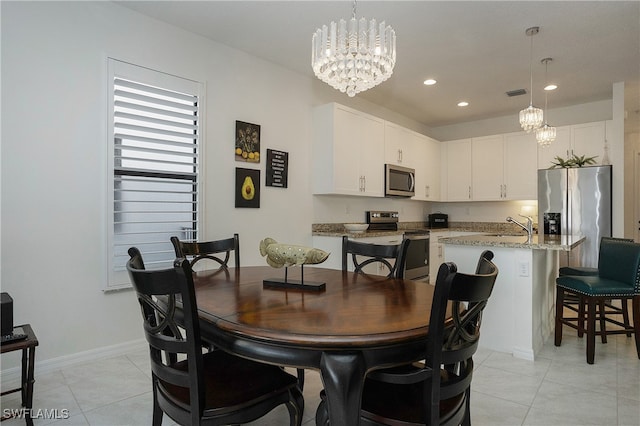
(619, 260)
(393, 256)
(453, 344)
(212, 250)
(157, 292)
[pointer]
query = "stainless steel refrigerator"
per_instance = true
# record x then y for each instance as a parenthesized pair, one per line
(576, 201)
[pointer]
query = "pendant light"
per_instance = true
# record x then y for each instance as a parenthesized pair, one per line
(531, 117)
(546, 134)
(354, 56)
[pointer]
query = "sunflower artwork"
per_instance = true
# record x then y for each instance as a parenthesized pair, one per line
(247, 146)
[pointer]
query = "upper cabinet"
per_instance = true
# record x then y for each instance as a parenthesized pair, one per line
(348, 152)
(504, 167)
(585, 139)
(491, 168)
(487, 168)
(428, 168)
(399, 145)
(520, 166)
(407, 148)
(456, 157)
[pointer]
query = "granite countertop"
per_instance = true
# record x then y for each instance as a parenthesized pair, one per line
(356, 235)
(538, 242)
(338, 230)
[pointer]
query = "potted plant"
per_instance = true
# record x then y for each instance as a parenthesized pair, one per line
(573, 161)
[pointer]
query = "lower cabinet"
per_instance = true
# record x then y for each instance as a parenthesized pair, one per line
(437, 253)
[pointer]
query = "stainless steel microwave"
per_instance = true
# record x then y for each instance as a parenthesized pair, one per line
(399, 181)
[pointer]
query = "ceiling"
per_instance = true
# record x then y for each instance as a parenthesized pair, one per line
(477, 50)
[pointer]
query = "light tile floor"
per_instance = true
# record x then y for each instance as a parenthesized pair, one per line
(559, 388)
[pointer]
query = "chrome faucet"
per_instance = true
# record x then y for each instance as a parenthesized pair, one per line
(528, 227)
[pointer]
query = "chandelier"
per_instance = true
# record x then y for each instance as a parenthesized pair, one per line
(531, 117)
(546, 134)
(355, 56)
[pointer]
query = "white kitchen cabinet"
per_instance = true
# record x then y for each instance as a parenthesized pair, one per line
(580, 139)
(457, 160)
(348, 152)
(487, 168)
(588, 139)
(504, 167)
(520, 166)
(436, 253)
(437, 250)
(427, 164)
(399, 145)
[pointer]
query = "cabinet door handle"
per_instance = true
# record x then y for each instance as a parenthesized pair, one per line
(364, 183)
(505, 191)
(426, 191)
(469, 192)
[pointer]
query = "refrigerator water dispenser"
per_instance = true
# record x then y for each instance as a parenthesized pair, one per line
(552, 223)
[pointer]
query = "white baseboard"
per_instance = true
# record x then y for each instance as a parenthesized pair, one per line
(51, 365)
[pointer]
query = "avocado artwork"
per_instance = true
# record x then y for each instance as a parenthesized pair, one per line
(247, 193)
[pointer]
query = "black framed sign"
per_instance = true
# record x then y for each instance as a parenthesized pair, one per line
(277, 168)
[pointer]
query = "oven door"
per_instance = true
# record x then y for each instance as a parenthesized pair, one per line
(417, 265)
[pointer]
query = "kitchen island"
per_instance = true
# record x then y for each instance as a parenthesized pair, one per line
(520, 313)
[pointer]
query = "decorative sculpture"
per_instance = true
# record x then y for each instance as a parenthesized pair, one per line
(279, 255)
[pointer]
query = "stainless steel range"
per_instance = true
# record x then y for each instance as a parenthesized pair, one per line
(417, 265)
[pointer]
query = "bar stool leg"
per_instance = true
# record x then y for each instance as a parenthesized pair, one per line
(603, 316)
(559, 315)
(591, 329)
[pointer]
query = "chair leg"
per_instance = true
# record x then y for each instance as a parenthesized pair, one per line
(559, 312)
(295, 406)
(591, 329)
(466, 420)
(157, 411)
(635, 305)
(301, 378)
(603, 316)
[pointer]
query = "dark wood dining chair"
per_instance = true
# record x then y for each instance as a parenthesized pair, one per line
(607, 311)
(393, 256)
(617, 279)
(190, 386)
(211, 250)
(214, 250)
(437, 390)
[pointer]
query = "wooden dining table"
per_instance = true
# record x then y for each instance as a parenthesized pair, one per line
(356, 324)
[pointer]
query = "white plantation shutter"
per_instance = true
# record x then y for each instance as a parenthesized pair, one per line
(155, 124)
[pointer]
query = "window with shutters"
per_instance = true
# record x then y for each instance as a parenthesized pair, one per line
(154, 137)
